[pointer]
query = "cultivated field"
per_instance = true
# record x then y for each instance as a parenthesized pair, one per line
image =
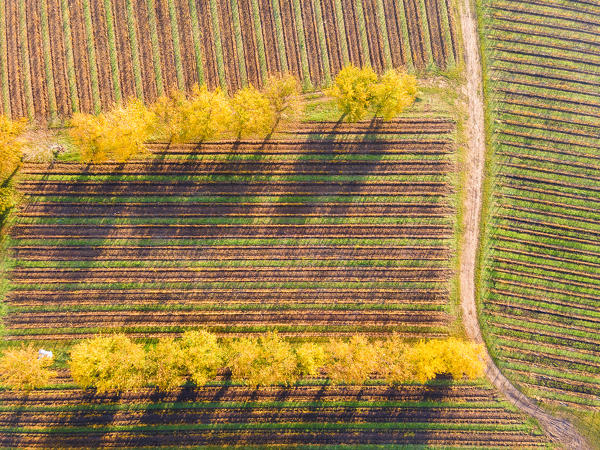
(437, 415)
(325, 231)
(541, 280)
(60, 56)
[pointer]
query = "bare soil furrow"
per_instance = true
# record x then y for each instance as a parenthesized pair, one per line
(233, 210)
(219, 253)
(229, 231)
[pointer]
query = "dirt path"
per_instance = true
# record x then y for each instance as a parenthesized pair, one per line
(559, 430)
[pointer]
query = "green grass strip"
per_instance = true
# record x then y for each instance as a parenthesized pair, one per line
(279, 32)
(89, 35)
(322, 43)
(69, 55)
(159, 406)
(362, 31)
(381, 23)
(155, 47)
(426, 35)
(306, 81)
(47, 59)
(214, 20)
(112, 50)
(239, 43)
(135, 54)
(176, 44)
(339, 18)
(300, 426)
(25, 58)
(4, 61)
(260, 43)
(196, 37)
(447, 33)
(406, 50)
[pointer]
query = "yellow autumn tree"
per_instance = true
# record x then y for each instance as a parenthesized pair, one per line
(111, 362)
(265, 360)
(117, 135)
(353, 91)
(11, 145)
(351, 362)
(168, 116)
(310, 358)
(166, 365)
(8, 200)
(251, 113)
(202, 355)
(283, 93)
(207, 114)
(20, 368)
(394, 92)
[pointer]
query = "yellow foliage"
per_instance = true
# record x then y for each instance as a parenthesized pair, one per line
(425, 360)
(251, 113)
(394, 92)
(117, 135)
(109, 363)
(310, 359)
(265, 360)
(202, 355)
(8, 199)
(11, 146)
(283, 93)
(202, 115)
(351, 362)
(21, 369)
(168, 116)
(166, 365)
(353, 90)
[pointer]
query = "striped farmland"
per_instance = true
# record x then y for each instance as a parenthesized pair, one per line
(319, 233)
(541, 284)
(439, 415)
(62, 56)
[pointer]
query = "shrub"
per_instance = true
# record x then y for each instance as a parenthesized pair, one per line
(394, 92)
(283, 93)
(251, 113)
(351, 362)
(202, 355)
(265, 360)
(116, 135)
(109, 363)
(21, 369)
(166, 365)
(11, 145)
(353, 91)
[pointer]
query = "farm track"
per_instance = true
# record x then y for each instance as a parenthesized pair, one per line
(156, 48)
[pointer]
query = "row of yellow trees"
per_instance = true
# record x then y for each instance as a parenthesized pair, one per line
(11, 152)
(114, 362)
(119, 134)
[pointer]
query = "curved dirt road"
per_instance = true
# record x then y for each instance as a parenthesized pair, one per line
(558, 430)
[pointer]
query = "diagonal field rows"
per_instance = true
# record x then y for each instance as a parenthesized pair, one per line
(542, 285)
